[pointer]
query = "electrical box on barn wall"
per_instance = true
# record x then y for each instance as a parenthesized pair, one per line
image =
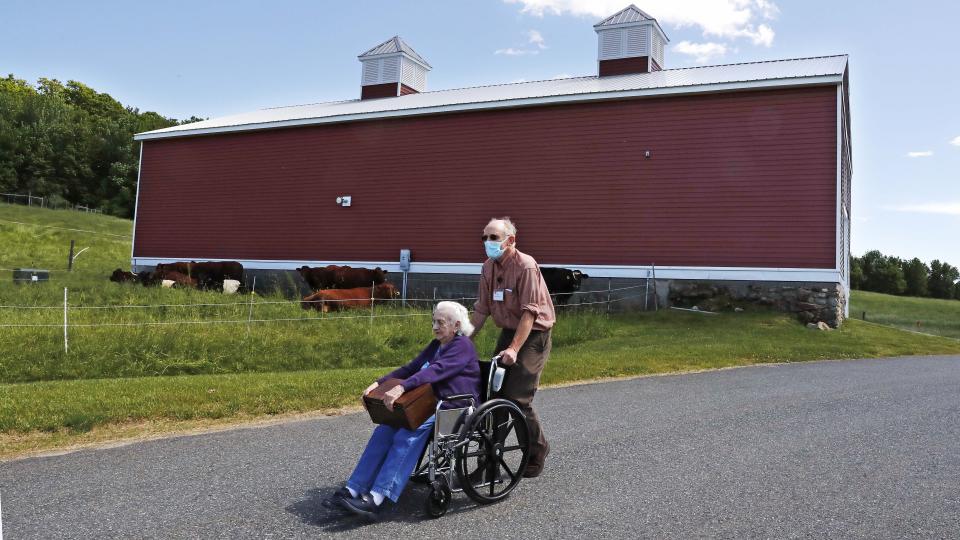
(404, 260)
(344, 200)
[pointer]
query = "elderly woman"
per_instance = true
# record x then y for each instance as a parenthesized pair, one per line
(450, 364)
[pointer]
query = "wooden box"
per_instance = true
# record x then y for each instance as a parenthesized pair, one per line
(409, 410)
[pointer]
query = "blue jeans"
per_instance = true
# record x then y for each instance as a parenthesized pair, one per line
(389, 459)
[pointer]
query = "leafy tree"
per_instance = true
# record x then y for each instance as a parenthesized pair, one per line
(943, 277)
(70, 143)
(856, 273)
(882, 274)
(916, 275)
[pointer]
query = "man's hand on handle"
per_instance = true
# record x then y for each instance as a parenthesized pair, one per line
(508, 356)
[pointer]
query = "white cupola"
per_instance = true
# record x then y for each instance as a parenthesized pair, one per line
(629, 41)
(392, 69)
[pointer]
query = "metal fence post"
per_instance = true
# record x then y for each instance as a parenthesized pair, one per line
(646, 292)
(66, 342)
(656, 299)
(250, 311)
(609, 287)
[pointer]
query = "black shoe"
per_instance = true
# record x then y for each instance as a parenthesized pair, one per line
(535, 466)
(334, 501)
(363, 506)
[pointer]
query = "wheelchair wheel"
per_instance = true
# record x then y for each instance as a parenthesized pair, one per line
(492, 451)
(438, 500)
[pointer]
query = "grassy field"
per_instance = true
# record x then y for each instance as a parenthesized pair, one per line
(171, 365)
(929, 315)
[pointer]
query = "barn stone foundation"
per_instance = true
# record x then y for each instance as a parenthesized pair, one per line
(810, 302)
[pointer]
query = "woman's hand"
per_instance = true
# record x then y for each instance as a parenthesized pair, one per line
(369, 389)
(392, 396)
(508, 356)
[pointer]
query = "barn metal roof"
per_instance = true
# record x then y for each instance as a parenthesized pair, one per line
(628, 14)
(778, 73)
(394, 45)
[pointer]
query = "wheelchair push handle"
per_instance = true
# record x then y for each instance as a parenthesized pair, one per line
(497, 374)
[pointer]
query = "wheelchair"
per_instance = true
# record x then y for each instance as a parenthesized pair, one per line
(485, 446)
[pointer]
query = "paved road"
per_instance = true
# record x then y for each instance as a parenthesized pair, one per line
(867, 449)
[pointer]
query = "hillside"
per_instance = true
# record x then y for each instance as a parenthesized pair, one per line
(40, 238)
(928, 315)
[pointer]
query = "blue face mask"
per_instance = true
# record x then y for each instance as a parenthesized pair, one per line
(494, 249)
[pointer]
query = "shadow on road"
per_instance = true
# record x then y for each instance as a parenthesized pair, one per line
(409, 509)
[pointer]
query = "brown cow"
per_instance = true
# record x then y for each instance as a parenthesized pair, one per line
(320, 278)
(336, 299)
(208, 275)
(341, 277)
(348, 278)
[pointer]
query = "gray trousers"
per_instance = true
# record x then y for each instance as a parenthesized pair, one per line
(521, 382)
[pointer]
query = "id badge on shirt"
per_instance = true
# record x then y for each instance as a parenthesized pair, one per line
(498, 295)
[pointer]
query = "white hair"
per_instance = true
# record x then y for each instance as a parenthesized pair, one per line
(456, 313)
(508, 226)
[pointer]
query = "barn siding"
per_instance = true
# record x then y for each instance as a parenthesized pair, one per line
(373, 91)
(744, 179)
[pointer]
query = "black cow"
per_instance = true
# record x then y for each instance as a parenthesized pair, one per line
(562, 282)
(209, 275)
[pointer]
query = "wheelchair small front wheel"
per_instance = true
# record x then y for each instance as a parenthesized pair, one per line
(492, 451)
(438, 500)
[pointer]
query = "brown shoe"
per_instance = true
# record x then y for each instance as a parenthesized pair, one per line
(535, 466)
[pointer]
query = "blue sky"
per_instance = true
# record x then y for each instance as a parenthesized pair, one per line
(214, 58)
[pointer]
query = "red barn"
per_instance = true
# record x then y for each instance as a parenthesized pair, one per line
(737, 175)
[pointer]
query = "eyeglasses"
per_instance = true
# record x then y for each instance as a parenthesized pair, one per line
(491, 237)
(439, 323)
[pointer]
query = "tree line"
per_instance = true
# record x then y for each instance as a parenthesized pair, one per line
(71, 144)
(877, 272)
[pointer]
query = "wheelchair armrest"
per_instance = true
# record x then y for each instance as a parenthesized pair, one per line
(458, 397)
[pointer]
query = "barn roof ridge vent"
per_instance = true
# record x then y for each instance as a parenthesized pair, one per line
(392, 69)
(629, 41)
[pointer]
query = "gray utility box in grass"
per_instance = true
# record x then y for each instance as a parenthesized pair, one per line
(30, 275)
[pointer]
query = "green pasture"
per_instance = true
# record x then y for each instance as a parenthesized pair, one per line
(150, 356)
(928, 315)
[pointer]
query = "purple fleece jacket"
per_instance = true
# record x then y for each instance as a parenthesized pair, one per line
(456, 370)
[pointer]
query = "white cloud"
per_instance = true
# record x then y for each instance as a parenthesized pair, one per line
(955, 141)
(534, 37)
(701, 52)
(725, 19)
(952, 209)
(925, 153)
(510, 51)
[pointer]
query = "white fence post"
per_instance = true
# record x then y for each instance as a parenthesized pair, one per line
(66, 341)
(373, 286)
